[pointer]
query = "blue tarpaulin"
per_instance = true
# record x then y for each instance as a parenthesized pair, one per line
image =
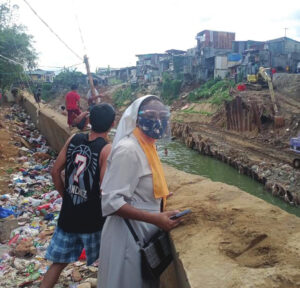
(234, 57)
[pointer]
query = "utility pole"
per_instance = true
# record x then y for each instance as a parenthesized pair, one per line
(86, 61)
(285, 31)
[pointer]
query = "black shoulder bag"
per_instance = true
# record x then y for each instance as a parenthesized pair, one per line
(156, 254)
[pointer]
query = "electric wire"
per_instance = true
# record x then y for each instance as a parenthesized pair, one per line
(26, 76)
(79, 28)
(52, 31)
(10, 60)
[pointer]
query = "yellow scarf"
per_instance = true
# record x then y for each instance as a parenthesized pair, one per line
(160, 187)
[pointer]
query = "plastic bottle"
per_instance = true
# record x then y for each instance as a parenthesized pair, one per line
(35, 202)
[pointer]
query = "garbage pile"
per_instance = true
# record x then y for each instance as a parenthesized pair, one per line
(29, 213)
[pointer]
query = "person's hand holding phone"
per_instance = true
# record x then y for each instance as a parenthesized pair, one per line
(180, 214)
(164, 222)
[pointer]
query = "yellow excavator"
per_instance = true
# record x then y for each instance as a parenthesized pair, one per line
(263, 79)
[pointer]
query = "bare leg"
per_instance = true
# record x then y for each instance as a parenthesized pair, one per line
(52, 275)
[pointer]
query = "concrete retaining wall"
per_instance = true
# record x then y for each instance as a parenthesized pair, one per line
(51, 124)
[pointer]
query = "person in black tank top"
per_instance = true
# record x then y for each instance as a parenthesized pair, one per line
(80, 222)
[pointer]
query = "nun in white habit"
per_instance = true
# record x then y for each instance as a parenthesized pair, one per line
(133, 187)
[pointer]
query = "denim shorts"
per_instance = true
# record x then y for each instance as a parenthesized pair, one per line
(67, 247)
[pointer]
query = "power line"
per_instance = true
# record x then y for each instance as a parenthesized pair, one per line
(17, 63)
(62, 41)
(61, 67)
(17, 72)
(10, 60)
(79, 29)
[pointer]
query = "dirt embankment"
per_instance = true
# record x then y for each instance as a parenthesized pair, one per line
(288, 84)
(242, 134)
(232, 239)
(8, 150)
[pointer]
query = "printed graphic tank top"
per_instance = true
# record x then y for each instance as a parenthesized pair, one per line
(81, 207)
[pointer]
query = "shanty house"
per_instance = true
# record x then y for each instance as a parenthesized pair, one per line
(148, 66)
(209, 45)
(226, 65)
(284, 53)
(40, 75)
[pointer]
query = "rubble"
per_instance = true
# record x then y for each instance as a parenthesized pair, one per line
(29, 212)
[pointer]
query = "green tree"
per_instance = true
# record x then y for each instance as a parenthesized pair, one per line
(15, 44)
(67, 77)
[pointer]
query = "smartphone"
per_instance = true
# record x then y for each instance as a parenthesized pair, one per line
(180, 214)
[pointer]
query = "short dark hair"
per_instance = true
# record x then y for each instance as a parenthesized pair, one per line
(102, 117)
(74, 87)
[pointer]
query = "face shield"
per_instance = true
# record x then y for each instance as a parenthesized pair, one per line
(154, 120)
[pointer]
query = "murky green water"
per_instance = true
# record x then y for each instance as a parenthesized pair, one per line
(185, 159)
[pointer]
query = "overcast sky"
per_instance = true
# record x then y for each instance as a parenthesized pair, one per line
(114, 31)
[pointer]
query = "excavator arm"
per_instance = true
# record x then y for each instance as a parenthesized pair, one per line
(263, 73)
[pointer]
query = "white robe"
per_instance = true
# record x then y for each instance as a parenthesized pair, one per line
(128, 180)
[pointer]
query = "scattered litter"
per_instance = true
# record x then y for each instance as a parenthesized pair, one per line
(29, 211)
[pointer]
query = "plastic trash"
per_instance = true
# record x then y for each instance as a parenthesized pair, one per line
(52, 194)
(4, 197)
(4, 213)
(82, 255)
(58, 201)
(45, 206)
(14, 239)
(4, 249)
(49, 217)
(35, 202)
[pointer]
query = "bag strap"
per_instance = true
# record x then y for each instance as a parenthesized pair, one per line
(136, 238)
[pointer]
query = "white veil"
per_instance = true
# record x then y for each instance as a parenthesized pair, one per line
(128, 120)
(126, 126)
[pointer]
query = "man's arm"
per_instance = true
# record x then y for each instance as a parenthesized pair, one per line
(58, 167)
(103, 160)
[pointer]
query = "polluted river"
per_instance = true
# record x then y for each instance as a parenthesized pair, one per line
(190, 161)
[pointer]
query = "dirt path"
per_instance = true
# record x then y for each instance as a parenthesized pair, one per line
(8, 151)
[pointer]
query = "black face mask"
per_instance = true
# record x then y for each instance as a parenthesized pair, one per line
(154, 128)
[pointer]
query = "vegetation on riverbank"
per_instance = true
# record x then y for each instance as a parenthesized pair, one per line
(214, 91)
(123, 96)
